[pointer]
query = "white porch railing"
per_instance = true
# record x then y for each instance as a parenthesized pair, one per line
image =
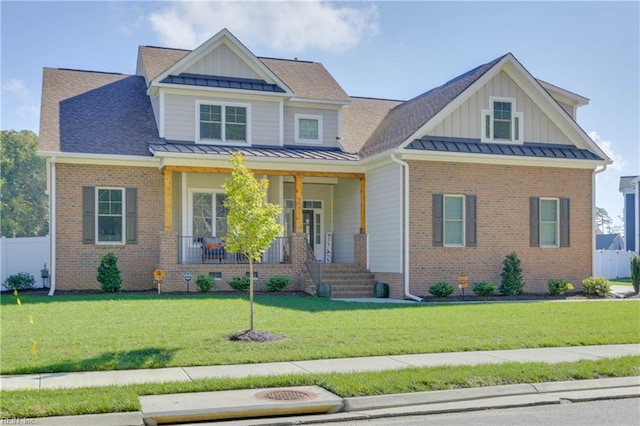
(190, 252)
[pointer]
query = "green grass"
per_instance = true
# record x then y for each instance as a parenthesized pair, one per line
(125, 331)
(59, 402)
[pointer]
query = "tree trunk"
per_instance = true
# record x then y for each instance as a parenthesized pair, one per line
(251, 290)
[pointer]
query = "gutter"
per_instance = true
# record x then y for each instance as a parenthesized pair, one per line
(405, 168)
(593, 217)
(52, 224)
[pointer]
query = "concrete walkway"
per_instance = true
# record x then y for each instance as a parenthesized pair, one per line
(322, 366)
(363, 407)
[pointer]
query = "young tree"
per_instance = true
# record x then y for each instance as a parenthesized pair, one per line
(251, 221)
(23, 205)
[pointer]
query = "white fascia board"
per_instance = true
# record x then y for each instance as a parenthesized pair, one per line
(223, 36)
(453, 105)
(204, 160)
(99, 159)
(503, 160)
(319, 101)
(570, 97)
(187, 89)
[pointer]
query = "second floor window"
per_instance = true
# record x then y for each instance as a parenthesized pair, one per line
(222, 123)
(502, 123)
(308, 128)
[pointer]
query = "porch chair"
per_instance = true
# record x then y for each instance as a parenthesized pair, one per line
(213, 249)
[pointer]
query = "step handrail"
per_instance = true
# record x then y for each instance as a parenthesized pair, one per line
(313, 266)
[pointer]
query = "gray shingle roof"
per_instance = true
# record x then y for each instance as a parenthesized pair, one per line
(91, 112)
(361, 118)
(527, 149)
(406, 118)
(155, 60)
(286, 152)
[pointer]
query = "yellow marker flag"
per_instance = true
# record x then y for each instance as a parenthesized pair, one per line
(19, 302)
(15, 292)
(34, 348)
(30, 319)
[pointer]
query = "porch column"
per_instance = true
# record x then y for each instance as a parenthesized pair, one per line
(363, 205)
(168, 200)
(297, 215)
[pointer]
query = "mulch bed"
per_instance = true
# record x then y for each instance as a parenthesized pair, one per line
(254, 336)
(527, 297)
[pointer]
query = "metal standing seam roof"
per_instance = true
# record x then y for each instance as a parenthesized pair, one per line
(528, 149)
(223, 82)
(286, 152)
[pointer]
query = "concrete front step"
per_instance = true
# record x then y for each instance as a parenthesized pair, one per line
(238, 404)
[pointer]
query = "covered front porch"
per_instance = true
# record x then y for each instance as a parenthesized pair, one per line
(323, 216)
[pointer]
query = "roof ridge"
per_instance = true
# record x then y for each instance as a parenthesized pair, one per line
(288, 60)
(377, 99)
(91, 71)
(165, 48)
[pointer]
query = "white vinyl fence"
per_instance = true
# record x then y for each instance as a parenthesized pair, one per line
(613, 263)
(23, 255)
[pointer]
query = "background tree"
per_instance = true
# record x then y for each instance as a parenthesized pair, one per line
(23, 204)
(251, 221)
(603, 220)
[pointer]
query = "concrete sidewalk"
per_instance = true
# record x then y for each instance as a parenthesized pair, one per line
(323, 366)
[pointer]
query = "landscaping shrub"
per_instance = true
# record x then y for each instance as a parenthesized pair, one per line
(558, 286)
(277, 283)
(20, 281)
(635, 272)
(240, 283)
(512, 281)
(597, 286)
(204, 283)
(109, 274)
(441, 289)
(483, 288)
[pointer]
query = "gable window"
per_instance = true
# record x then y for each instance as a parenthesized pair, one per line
(501, 123)
(454, 220)
(222, 123)
(109, 215)
(549, 222)
(308, 128)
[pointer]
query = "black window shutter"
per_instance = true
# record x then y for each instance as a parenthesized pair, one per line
(534, 222)
(471, 221)
(132, 215)
(564, 222)
(438, 221)
(88, 214)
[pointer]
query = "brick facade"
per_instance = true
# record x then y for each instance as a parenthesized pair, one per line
(503, 194)
(77, 263)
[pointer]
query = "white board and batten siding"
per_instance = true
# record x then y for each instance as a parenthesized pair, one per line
(223, 61)
(384, 218)
(464, 121)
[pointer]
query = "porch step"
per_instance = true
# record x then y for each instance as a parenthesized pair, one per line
(348, 280)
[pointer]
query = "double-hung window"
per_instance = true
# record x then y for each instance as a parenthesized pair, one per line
(110, 217)
(501, 123)
(549, 222)
(308, 128)
(453, 220)
(222, 123)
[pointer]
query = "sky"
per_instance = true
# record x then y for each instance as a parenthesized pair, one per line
(391, 50)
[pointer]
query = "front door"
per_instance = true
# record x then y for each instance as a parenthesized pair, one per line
(312, 226)
(307, 227)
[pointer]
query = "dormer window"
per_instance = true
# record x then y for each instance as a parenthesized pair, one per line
(222, 123)
(501, 124)
(308, 128)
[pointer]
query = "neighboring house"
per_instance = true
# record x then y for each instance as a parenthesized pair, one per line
(414, 191)
(630, 188)
(609, 242)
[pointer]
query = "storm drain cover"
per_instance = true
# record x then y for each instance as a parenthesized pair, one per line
(286, 395)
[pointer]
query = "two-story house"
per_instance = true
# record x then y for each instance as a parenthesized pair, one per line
(410, 192)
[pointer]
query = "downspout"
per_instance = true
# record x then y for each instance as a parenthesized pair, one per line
(593, 217)
(405, 168)
(52, 225)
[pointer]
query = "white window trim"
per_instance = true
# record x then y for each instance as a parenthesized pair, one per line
(189, 212)
(514, 115)
(298, 139)
(222, 141)
(444, 220)
(123, 215)
(557, 201)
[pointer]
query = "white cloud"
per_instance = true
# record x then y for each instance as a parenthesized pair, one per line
(16, 88)
(607, 146)
(287, 27)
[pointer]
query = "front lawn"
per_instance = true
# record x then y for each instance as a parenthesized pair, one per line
(124, 331)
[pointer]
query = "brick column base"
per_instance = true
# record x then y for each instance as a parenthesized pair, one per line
(360, 249)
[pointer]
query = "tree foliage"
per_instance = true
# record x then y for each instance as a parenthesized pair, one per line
(251, 221)
(23, 204)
